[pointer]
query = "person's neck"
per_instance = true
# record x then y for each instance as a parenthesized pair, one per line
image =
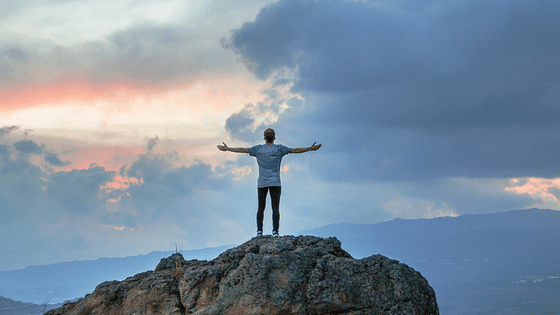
(269, 143)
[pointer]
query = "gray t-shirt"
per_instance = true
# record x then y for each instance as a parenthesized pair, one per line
(269, 158)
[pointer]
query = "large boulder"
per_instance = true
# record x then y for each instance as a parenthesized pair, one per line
(267, 275)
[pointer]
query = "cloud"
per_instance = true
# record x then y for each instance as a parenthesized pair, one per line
(406, 92)
(80, 212)
(31, 147)
(11, 7)
(28, 146)
(241, 122)
(31, 193)
(79, 190)
(152, 143)
(543, 192)
(6, 130)
(144, 55)
(163, 184)
(252, 119)
(153, 58)
(21, 187)
(53, 159)
(131, 43)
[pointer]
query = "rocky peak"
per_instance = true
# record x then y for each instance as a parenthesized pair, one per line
(267, 275)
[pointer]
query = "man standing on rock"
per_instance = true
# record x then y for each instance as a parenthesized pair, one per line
(269, 157)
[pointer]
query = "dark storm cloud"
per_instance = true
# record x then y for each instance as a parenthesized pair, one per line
(464, 88)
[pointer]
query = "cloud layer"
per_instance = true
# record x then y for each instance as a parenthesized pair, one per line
(452, 89)
(40, 204)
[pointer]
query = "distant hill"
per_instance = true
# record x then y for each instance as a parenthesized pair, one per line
(60, 282)
(495, 263)
(11, 307)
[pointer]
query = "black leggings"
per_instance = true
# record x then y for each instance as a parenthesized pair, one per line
(275, 200)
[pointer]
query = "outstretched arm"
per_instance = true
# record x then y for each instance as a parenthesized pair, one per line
(313, 147)
(236, 150)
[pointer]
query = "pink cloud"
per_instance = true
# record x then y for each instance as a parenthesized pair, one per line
(538, 189)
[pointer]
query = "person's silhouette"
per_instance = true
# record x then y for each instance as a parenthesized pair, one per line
(269, 157)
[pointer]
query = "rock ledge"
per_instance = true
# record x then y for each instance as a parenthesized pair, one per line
(267, 275)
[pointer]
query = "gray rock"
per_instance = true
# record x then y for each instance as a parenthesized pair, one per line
(267, 275)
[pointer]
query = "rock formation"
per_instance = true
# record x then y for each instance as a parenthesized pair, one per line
(267, 275)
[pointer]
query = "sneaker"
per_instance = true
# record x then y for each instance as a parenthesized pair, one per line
(275, 233)
(259, 233)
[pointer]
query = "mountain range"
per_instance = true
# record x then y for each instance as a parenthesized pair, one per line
(498, 263)
(57, 283)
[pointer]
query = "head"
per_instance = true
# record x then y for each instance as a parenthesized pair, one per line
(269, 135)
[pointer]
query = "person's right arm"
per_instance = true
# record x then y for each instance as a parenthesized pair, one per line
(235, 150)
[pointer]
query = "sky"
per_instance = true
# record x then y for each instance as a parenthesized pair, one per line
(111, 111)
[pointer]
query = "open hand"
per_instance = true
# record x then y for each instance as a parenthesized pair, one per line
(315, 147)
(223, 147)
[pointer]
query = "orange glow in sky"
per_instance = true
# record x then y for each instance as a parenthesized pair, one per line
(67, 90)
(537, 188)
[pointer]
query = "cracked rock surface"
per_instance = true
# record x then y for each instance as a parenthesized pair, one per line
(267, 275)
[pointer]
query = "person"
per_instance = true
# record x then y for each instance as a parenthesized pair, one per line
(269, 157)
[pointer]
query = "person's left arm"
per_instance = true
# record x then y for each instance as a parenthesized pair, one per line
(313, 147)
